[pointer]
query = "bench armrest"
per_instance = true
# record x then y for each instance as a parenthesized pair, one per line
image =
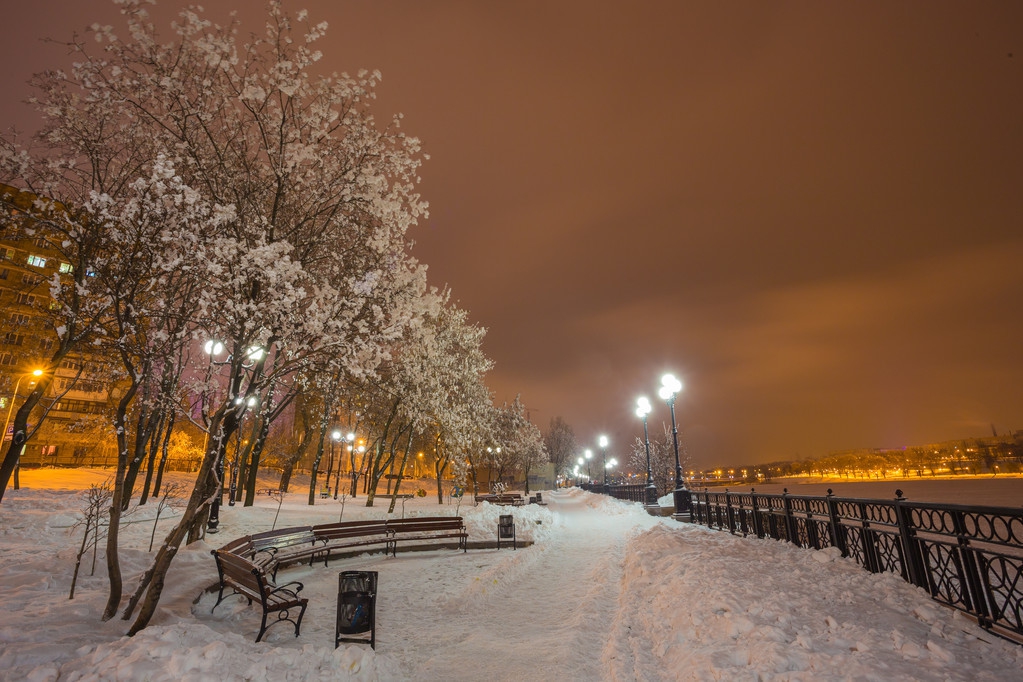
(286, 587)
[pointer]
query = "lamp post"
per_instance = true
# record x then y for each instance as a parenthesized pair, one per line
(602, 442)
(643, 408)
(7, 422)
(588, 454)
(670, 387)
(14, 396)
(350, 438)
(252, 355)
(611, 464)
(335, 436)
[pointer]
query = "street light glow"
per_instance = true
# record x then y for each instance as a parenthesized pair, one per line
(336, 435)
(643, 407)
(602, 441)
(213, 347)
(670, 387)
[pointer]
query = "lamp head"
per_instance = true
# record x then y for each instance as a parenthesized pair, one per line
(669, 385)
(602, 441)
(643, 407)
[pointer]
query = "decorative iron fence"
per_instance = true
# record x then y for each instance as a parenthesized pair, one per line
(632, 493)
(966, 557)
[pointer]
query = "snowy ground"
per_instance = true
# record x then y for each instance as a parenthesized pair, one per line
(605, 593)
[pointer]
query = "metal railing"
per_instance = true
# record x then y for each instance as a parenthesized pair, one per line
(966, 557)
(632, 492)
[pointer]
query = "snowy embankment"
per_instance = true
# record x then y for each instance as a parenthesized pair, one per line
(607, 592)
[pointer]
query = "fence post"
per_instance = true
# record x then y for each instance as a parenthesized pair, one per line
(729, 512)
(915, 572)
(790, 522)
(975, 596)
(834, 526)
(758, 523)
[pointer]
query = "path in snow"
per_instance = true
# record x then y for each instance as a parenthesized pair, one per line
(548, 612)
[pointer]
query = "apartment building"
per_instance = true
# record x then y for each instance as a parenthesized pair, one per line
(76, 428)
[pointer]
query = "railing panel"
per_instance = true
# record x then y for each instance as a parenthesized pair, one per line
(968, 558)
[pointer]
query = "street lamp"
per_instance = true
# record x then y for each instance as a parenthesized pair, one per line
(14, 396)
(7, 422)
(253, 354)
(643, 408)
(602, 442)
(341, 455)
(588, 454)
(611, 464)
(670, 387)
(335, 436)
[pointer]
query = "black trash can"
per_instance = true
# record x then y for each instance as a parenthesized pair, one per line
(356, 607)
(506, 530)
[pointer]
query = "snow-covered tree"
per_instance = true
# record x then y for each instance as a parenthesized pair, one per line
(662, 458)
(306, 201)
(561, 445)
(518, 445)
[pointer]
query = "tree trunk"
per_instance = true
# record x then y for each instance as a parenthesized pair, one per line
(116, 505)
(318, 457)
(20, 426)
(154, 446)
(164, 448)
(257, 454)
(401, 469)
(155, 577)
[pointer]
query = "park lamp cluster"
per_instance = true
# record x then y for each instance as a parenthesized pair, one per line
(668, 392)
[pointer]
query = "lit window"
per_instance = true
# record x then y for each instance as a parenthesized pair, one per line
(66, 267)
(37, 261)
(6, 254)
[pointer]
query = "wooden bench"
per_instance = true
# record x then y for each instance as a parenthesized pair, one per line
(504, 499)
(269, 549)
(417, 529)
(248, 580)
(349, 535)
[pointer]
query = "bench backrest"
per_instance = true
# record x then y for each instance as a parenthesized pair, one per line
(286, 537)
(426, 523)
(242, 574)
(349, 529)
(241, 546)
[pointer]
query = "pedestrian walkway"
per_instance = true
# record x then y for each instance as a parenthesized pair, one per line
(546, 614)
